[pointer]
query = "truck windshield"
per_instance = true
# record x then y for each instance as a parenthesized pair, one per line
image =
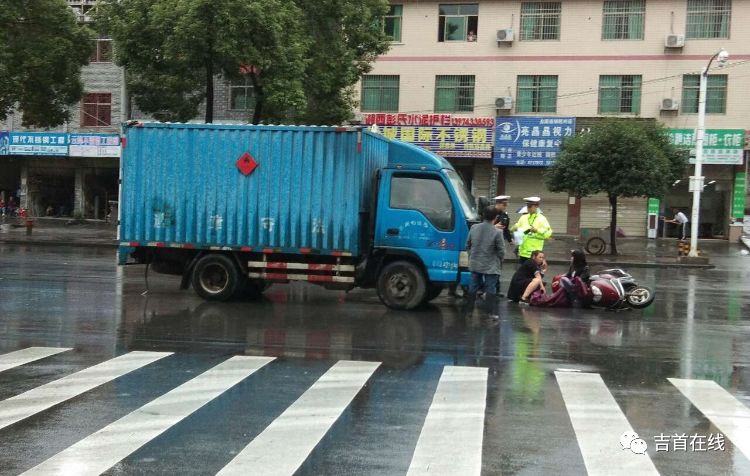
(464, 196)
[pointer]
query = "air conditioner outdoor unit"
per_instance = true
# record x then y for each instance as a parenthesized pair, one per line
(505, 102)
(505, 36)
(669, 104)
(674, 41)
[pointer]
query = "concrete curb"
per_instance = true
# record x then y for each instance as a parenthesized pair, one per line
(619, 264)
(87, 244)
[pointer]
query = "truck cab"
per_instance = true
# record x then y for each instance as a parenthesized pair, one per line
(422, 220)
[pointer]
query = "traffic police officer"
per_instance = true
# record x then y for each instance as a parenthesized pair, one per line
(535, 228)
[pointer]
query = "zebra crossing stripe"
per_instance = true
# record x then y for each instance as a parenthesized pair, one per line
(451, 438)
(599, 423)
(41, 398)
(287, 442)
(24, 356)
(721, 408)
(103, 449)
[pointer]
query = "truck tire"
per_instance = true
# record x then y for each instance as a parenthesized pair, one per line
(215, 277)
(401, 285)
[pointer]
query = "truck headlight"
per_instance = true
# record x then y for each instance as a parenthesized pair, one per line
(463, 259)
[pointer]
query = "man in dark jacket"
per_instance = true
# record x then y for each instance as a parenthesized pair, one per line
(486, 249)
(502, 221)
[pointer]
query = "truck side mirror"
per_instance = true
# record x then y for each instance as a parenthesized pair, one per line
(482, 203)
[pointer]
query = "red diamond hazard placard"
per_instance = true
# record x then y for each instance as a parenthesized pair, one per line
(246, 163)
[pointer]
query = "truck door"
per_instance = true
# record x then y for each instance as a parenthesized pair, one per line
(416, 214)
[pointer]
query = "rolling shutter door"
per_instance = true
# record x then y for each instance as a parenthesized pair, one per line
(482, 176)
(526, 182)
(631, 214)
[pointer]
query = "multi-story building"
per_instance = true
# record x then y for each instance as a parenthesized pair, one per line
(73, 169)
(541, 67)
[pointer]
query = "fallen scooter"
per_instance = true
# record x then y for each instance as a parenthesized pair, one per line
(615, 289)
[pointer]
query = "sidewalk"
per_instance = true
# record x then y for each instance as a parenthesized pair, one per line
(57, 232)
(634, 252)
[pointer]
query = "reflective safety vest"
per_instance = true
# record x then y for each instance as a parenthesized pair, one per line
(532, 241)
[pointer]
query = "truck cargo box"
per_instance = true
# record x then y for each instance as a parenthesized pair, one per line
(281, 187)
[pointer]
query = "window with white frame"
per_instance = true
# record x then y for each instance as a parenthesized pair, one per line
(241, 96)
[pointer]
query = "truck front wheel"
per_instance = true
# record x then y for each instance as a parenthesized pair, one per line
(215, 278)
(401, 285)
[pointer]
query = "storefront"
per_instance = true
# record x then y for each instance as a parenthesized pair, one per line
(524, 148)
(466, 142)
(59, 174)
(723, 197)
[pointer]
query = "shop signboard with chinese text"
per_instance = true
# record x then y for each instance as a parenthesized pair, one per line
(4, 139)
(38, 143)
(720, 146)
(738, 197)
(94, 145)
(530, 141)
(443, 134)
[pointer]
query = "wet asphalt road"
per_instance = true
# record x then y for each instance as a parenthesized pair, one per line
(77, 298)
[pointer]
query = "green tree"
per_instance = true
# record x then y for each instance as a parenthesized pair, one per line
(173, 49)
(346, 36)
(619, 157)
(42, 49)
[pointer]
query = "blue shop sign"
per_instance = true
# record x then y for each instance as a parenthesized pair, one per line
(38, 143)
(4, 139)
(530, 141)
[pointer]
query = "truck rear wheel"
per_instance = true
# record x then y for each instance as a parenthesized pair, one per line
(215, 278)
(401, 285)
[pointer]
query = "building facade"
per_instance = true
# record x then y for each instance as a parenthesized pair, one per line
(540, 67)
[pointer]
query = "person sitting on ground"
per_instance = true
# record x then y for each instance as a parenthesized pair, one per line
(573, 285)
(528, 278)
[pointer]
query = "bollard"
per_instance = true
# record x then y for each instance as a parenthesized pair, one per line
(29, 226)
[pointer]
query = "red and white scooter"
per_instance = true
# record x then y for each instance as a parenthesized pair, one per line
(615, 289)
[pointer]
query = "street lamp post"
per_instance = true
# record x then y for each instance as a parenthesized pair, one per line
(696, 181)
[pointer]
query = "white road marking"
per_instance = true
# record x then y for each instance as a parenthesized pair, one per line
(103, 449)
(599, 423)
(41, 398)
(721, 408)
(287, 442)
(24, 356)
(451, 438)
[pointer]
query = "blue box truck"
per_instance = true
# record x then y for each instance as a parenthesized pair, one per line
(233, 208)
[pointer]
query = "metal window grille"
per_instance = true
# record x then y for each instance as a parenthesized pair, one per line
(458, 22)
(708, 18)
(96, 110)
(392, 22)
(241, 95)
(454, 94)
(380, 93)
(536, 94)
(620, 94)
(102, 51)
(716, 93)
(540, 21)
(623, 19)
